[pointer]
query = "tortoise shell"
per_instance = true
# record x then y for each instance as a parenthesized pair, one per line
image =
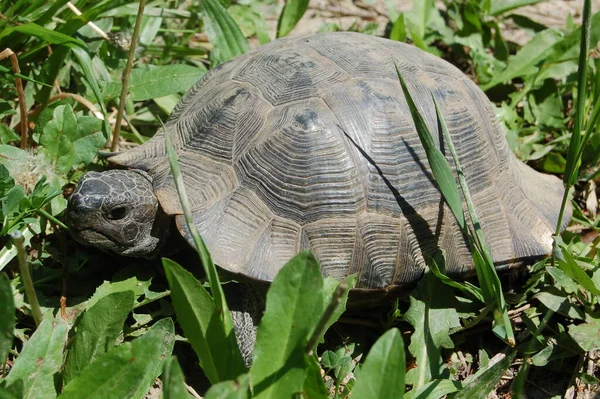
(308, 143)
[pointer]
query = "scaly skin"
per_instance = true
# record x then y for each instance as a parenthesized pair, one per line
(118, 212)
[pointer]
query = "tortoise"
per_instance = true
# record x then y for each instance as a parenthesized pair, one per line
(308, 143)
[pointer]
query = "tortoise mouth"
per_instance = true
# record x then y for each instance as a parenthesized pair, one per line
(89, 236)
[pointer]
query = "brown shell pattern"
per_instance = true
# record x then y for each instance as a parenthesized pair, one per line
(307, 143)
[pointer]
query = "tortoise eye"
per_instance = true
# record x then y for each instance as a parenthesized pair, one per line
(117, 213)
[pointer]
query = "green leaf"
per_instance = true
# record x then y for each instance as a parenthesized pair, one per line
(434, 389)
(399, 29)
(137, 284)
(433, 314)
(40, 360)
(525, 60)
(222, 31)
(419, 17)
(314, 386)
(162, 81)
(499, 7)
(7, 317)
(439, 258)
(174, 381)
(292, 12)
(562, 279)
(294, 306)
(47, 35)
(7, 135)
(97, 331)
(230, 389)
(125, 371)
(382, 375)
(484, 381)
(56, 138)
(567, 264)
(558, 302)
(88, 140)
(587, 335)
(85, 62)
(197, 315)
(440, 167)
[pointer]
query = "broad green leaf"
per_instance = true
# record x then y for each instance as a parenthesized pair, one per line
(499, 7)
(526, 59)
(56, 138)
(340, 308)
(587, 335)
(198, 317)
(433, 314)
(40, 360)
(173, 381)
(419, 16)
(7, 317)
(159, 342)
(483, 382)
(398, 32)
(292, 12)
(558, 301)
(294, 307)
(562, 279)
(567, 264)
(434, 389)
(238, 389)
(97, 331)
(137, 284)
(8, 135)
(314, 386)
(125, 371)
(89, 139)
(161, 81)
(382, 375)
(223, 32)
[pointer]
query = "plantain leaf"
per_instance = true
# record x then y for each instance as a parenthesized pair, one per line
(198, 317)
(382, 375)
(40, 361)
(294, 307)
(292, 12)
(222, 31)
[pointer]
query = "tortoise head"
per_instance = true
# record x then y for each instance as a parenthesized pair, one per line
(118, 212)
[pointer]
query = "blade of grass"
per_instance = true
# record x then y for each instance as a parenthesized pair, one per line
(439, 165)
(207, 263)
(582, 72)
(486, 272)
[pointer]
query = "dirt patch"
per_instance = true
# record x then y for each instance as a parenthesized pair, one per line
(351, 14)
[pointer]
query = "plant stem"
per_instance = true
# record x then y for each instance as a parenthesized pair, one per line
(51, 218)
(19, 242)
(336, 298)
(126, 74)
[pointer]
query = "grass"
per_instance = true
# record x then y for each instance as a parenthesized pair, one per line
(546, 93)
